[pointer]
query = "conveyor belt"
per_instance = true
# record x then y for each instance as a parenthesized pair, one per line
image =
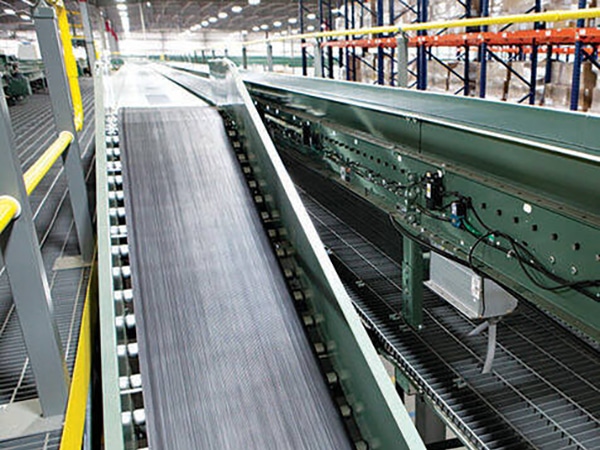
(544, 386)
(225, 361)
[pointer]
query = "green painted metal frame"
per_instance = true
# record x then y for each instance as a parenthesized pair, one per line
(530, 172)
(111, 396)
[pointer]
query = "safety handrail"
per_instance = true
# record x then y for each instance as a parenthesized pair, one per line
(40, 168)
(549, 16)
(69, 60)
(10, 209)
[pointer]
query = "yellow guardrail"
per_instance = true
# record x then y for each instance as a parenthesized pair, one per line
(549, 16)
(72, 435)
(70, 62)
(40, 168)
(9, 210)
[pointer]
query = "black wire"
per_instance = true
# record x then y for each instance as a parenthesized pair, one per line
(433, 216)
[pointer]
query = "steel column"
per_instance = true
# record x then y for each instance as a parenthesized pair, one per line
(485, 11)
(87, 33)
(318, 48)
(534, 57)
(62, 108)
(20, 249)
(380, 61)
(577, 64)
(353, 24)
(347, 49)
(467, 75)
(422, 6)
(402, 63)
(303, 41)
(318, 61)
(244, 57)
(269, 57)
(429, 425)
(329, 49)
(412, 283)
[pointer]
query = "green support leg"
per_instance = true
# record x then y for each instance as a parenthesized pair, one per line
(412, 284)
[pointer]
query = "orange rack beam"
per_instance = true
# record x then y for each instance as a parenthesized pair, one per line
(554, 36)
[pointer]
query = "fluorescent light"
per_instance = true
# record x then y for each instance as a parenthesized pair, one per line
(254, 2)
(310, 28)
(222, 15)
(264, 26)
(10, 12)
(213, 19)
(292, 20)
(311, 16)
(236, 9)
(255, 29)
(277, 24)
(25, 17)
(122, 7)
(204, 23)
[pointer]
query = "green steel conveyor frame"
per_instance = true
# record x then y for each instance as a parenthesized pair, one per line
(527, 173)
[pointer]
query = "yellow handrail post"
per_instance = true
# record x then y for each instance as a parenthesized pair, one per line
(70, 63)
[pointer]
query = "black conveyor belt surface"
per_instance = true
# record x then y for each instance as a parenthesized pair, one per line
(225, 361)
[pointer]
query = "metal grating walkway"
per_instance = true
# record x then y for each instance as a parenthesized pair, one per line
(34, 130)
(544, 386)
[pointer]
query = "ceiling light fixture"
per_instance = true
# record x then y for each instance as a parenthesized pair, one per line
(254, 2)
(122, 7)
(277, 24)
(237, 9)
(10, 12)
(25, 17)
(310, 28)
(204, 23)
(222, 15)
(292, 20)
(213, 19)
(311, 16)
(264, 26)
(255, 29)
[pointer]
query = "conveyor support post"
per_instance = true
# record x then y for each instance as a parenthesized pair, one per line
(412, 283)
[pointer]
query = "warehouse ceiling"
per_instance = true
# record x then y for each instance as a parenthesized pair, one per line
(203, 15)
(180, 15)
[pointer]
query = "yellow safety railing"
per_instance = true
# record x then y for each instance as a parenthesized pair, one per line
(72, 435)
(70, 62)
(549, 16)
(9, 210)
(40, 168)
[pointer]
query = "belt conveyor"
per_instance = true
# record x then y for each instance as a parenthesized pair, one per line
(224, 358)
(543, 389)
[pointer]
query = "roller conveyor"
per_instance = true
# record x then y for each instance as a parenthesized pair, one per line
(225, 360)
